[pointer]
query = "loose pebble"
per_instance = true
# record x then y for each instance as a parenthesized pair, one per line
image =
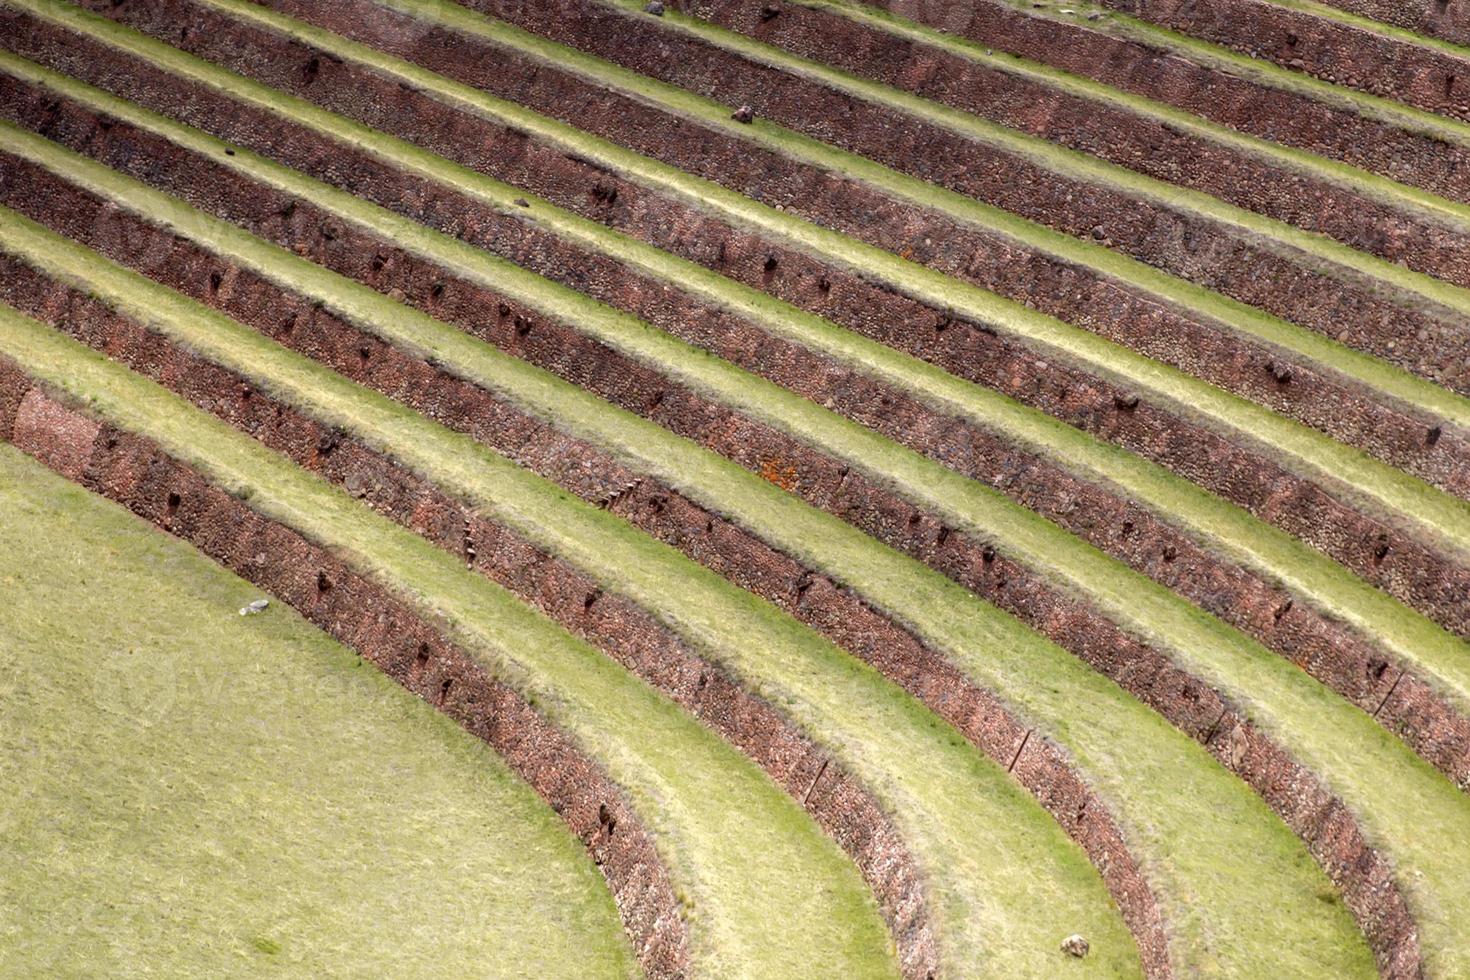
(254, 608)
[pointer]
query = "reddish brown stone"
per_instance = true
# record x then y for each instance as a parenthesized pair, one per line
(57, 437)
(1189, 245)
(1447, 19)
(1110, 131)
(1168, 75)
(1428, 77)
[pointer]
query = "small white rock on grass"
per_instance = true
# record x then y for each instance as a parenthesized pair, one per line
(1075, 945)
(258, 606)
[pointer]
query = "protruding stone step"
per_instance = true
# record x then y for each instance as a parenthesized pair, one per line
(1314, 38)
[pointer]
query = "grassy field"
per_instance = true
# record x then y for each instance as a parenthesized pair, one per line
(189, 792)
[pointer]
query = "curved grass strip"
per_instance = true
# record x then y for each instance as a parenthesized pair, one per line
(1441, 655)
(1130, 751)
(965, 821)
(840, 804)
(1301, 707)
(1070, 163)
(1228, 529)
(303, 812)
(1436, 514)
(742, 852)
(1119, 25)
(210, 179)
(1408, 198)
(1337, 43)
(1365, 368)
(1393, 32)
(1397, 436)
(1416, 289)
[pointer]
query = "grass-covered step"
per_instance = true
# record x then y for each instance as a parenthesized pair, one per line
(966, 428)
(213, 794)
(618, 627)
(1421, 394)
(966, 821)
(1444, 20)
(1362, 210)
(474, 387)
(1200, 522)
(738, 173)
(1291, 273)
(1312, 379)
(560, 347)
(1329, 44)
(740, 853)
(153, 309)
(1364, 550)
(1251, 95)
(770, 511)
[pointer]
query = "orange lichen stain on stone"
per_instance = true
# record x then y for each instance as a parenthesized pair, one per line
(772, 471)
